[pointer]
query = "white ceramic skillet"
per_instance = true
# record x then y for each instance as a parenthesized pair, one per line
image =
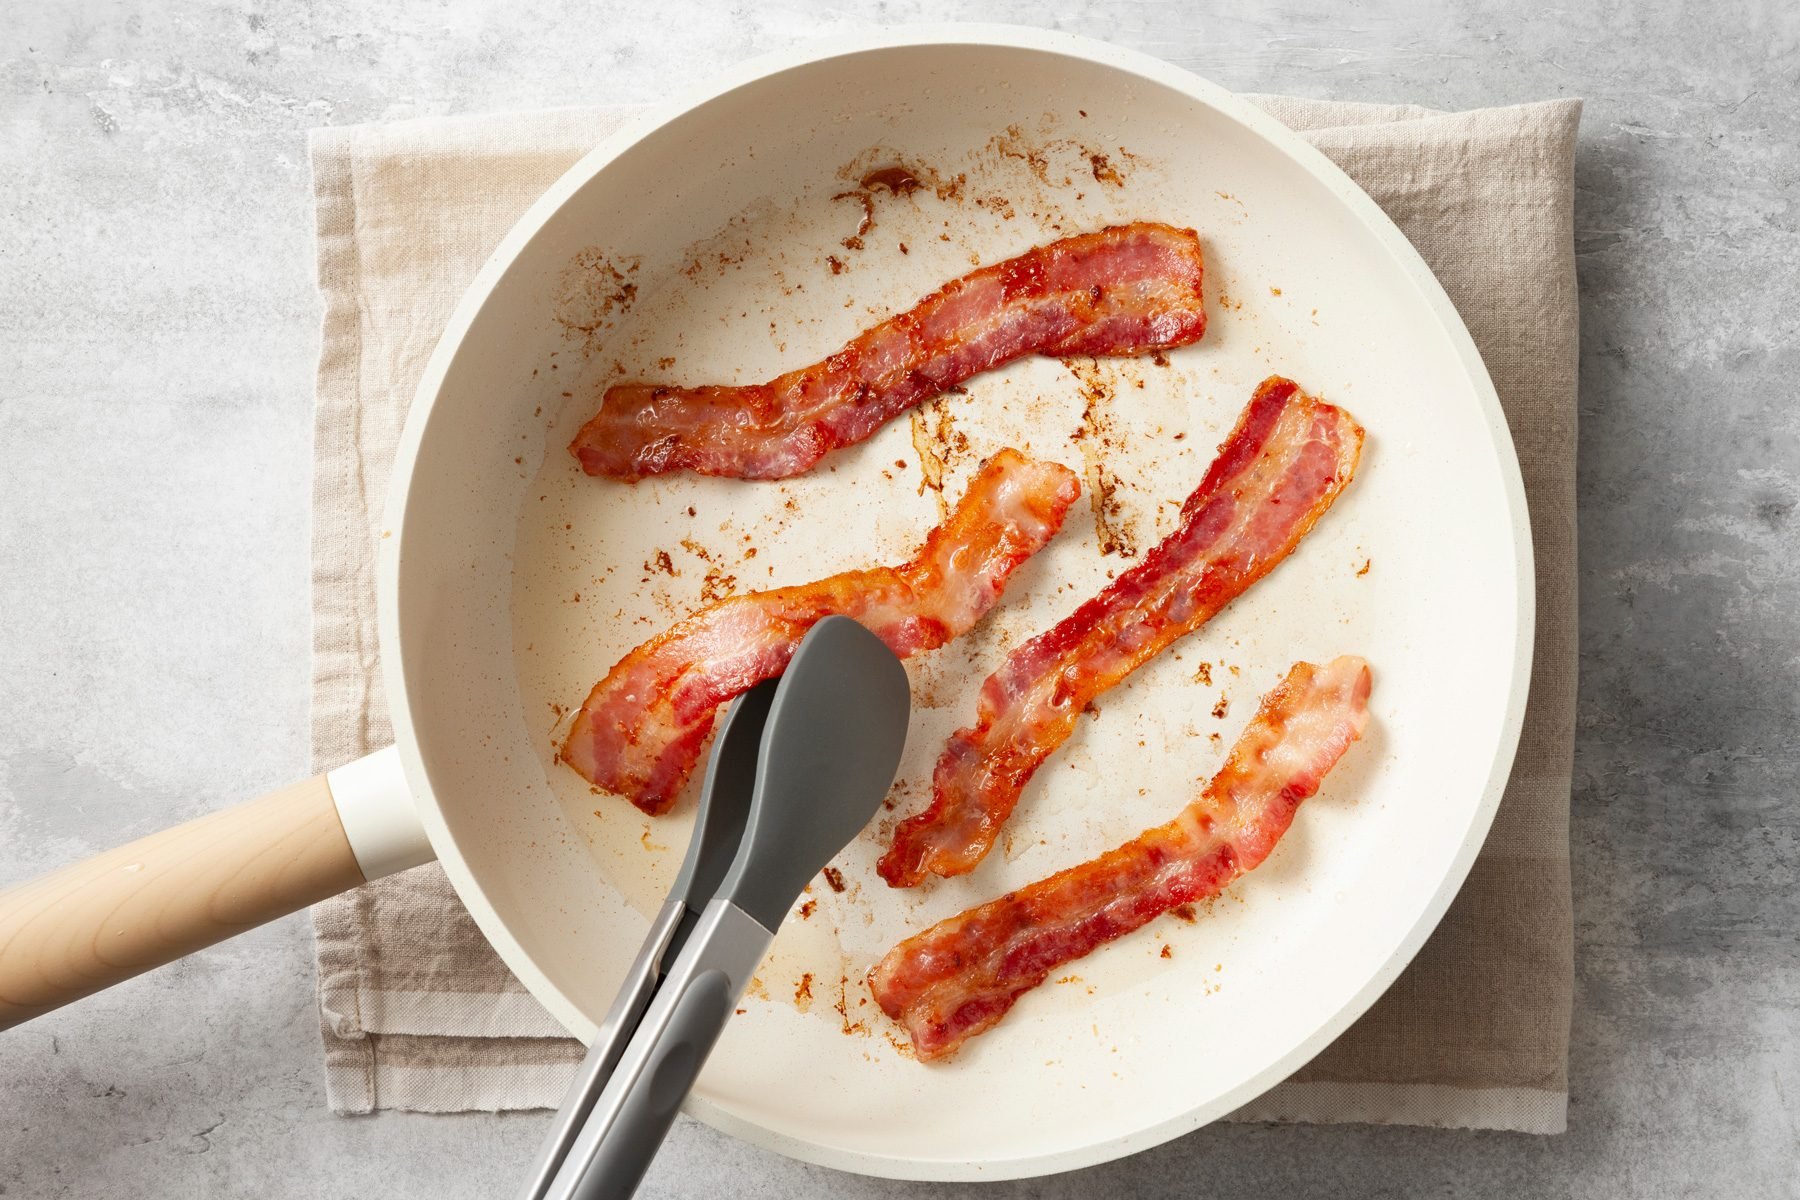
(717, 240)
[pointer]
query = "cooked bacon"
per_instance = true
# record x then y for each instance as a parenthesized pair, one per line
(641, 729)
(1277, 473)
(1129, 289)
(959, 977)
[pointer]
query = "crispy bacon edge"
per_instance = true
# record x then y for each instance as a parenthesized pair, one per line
(1128, 289)
(1281, 468)
(641, 729)
(961, 976)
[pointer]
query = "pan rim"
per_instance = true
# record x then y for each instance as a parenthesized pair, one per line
(1151, 70)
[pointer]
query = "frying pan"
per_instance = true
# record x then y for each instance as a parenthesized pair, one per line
(728, 236)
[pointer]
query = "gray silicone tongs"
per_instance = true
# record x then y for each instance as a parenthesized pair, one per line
(799, 766)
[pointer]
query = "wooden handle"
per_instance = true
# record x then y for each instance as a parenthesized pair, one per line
(95, 923)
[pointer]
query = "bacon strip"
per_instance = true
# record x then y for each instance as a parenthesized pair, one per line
(641, 729)
(961, 976)
(1129, 289)
(1277, 473)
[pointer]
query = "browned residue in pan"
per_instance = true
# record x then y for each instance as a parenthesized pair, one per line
(1055, 164)
(725, 250)
(717, 585)
(940, 445)
(896, 178)
(594, 290)
(868, 215)
(877, 172)
(1096, 439)
(1012, 143)
(879, 168)
(1104, 171)
(850, 1024)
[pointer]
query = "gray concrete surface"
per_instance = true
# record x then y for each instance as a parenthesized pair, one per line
(157, 333)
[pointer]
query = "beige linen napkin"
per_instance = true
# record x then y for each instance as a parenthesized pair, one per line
(418, 1013)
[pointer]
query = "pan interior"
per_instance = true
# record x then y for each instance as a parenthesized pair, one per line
(737, 241)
